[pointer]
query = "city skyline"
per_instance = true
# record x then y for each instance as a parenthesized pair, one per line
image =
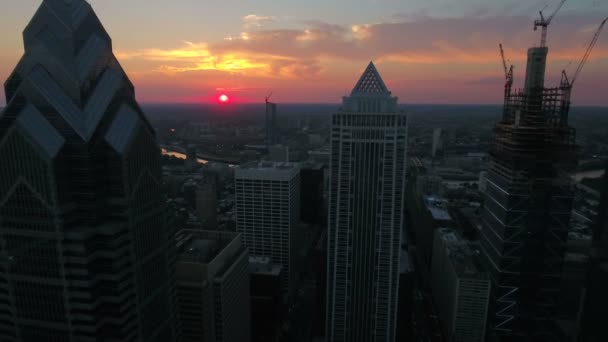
(192, 52)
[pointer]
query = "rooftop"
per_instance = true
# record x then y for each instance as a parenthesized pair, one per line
(263, 266)
(201, 250)
(269, 165)
(281, 171)
(437, 207)
(462, 255)
(202, 246)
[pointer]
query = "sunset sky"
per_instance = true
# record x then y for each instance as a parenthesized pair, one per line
(428, 51)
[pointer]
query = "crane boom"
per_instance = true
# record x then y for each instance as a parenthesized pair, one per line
(504, 60)
(545, 22)
(596, 36)
(508, 71)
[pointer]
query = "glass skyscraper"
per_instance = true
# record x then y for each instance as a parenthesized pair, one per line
(85, 251)
(368, 165)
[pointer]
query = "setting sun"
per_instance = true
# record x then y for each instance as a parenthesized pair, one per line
(224, 98)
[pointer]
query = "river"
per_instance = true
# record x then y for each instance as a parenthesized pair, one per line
(181, 156)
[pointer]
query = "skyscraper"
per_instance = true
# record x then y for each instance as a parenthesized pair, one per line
(367, 170)
(85, 253)
(268, 211)
(437, 142)
(528, 201)
(271, 123)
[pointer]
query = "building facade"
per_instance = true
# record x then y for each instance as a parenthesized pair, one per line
(528, 202)
(461, 289)
(267, 306)
(272, 137)
(268, 211)
(367, 172)
(85, 249)
(207, 203)
(591, 325)
(437, 147)
(212, 274)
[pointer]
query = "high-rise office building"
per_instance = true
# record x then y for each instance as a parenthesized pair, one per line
(213, 286)
(437, 147)
(461, 288)
(271, 124)
(85, 251)
(528, 202)
(268, 211)
(206, 203)
(368, 164)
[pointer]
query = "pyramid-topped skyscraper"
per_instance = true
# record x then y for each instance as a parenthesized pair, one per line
(367, 185)
(85, 251)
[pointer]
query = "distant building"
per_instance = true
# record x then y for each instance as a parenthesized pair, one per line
(86, 254)
(431, 214)
(320, 156)
(207, 204)
(429, 185)
(405, 309)
(191, 158)
(368, 169)
(272, 137)
(312, 201)
(278, 153)
(213, 287)
(461, 289)
(437, 147)
(268, 211)
(267, 306)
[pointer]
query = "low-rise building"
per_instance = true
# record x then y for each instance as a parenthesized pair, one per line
(212, 272)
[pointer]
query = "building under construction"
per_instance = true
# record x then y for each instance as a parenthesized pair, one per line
(528, 203)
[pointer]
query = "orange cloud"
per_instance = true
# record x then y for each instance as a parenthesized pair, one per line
(463, 51)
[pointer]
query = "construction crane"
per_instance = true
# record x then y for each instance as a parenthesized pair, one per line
(508, 71)
(509, 81)
(545, 22)
(268, 97)
(566, 84)
(570, 83)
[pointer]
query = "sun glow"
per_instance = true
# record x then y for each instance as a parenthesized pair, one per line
(224, 98)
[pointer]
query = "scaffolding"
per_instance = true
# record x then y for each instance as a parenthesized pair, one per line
(533, 155)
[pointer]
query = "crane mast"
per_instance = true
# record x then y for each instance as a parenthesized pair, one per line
(508, 79)
(545, 22)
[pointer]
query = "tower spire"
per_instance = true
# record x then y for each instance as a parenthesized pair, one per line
(370, 83)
